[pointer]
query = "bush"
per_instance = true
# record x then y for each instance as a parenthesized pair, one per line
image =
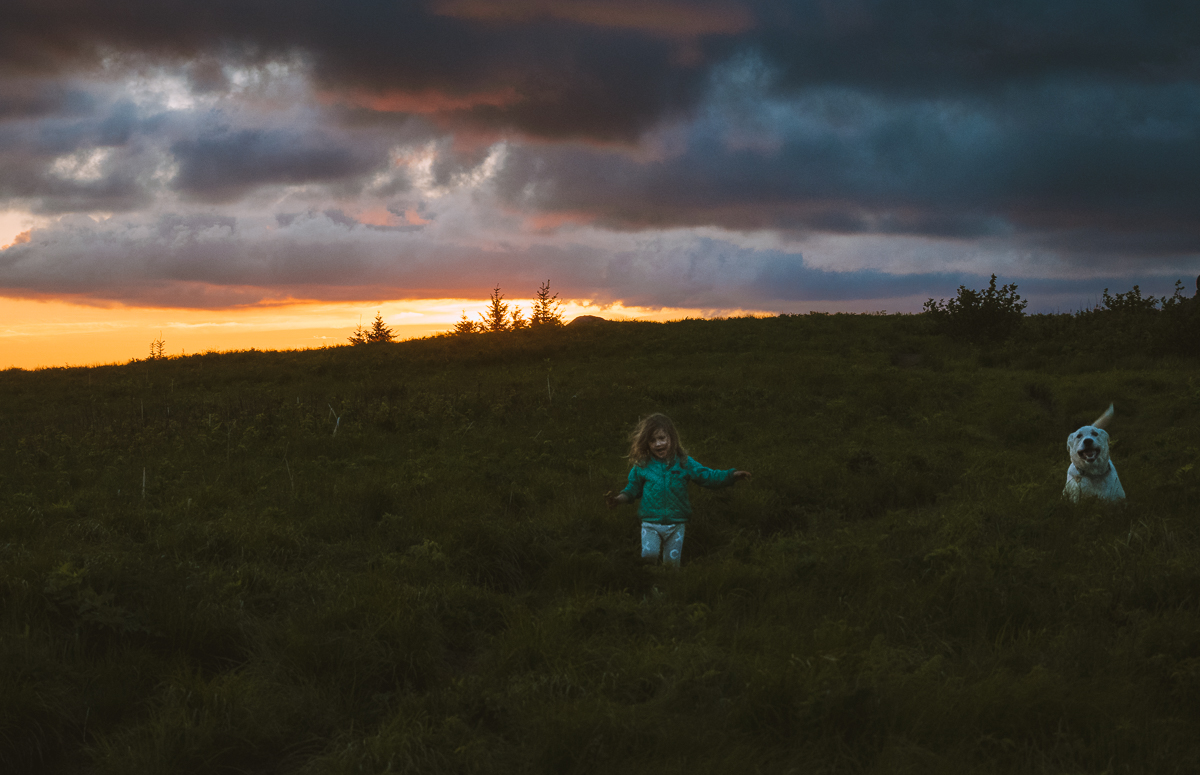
(1133, 303)
(1131, 322)
(992, 314)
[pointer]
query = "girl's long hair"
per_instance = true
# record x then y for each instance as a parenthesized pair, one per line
(639, 446)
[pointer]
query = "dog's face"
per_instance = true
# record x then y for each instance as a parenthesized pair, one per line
(1089, 450)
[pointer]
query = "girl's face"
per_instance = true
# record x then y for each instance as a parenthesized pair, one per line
(660, 444)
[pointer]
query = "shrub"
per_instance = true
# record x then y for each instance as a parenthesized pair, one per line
(1180, 324)
(1132, 322)
(1133, 303)
(992, 314)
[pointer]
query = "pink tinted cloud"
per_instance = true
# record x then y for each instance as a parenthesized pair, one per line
(424, 102)
(20, 239)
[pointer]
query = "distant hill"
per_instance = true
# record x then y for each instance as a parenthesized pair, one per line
(588, 320)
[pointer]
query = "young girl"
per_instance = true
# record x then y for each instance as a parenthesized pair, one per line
(660, 473)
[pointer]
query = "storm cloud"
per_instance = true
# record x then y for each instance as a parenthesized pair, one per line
(659, 152)
(609, 68)
(222, 166)
(1082, 156)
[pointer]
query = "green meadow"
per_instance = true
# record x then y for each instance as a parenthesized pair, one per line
(397, 558)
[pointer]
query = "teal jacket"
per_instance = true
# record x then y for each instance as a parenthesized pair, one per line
(663, 488)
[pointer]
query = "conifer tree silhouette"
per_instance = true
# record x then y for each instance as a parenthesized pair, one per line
(468, 326)
(547, 309)
(500, 317)
(496, 317)
(517, 321)
(376, 334)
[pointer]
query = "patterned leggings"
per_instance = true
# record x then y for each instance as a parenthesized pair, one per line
(667, 538)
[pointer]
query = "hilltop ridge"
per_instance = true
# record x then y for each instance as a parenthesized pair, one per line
(329, 560)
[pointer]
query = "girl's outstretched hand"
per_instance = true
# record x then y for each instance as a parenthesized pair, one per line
(740, 475)
(614, 500)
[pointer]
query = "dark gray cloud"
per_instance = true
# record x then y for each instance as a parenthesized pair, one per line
(86, 180)
(222, 166)
(1113, 161)
(26, 99)
(213, 261)
(118, 126)
(216, 261)
(564, 78)
(609, 70)
(946, 46)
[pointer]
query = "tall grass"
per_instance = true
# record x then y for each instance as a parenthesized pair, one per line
(439, 588)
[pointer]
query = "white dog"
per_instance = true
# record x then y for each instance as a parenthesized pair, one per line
(1092, 474)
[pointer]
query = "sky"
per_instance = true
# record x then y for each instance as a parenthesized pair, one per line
(229, 174)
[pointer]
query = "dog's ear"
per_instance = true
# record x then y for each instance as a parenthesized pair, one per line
(1103, 419)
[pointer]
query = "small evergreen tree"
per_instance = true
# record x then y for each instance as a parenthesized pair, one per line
(158, 348)
(377, 333)
(517, 321)
(496, 318)
(547, 309)
(467, 326)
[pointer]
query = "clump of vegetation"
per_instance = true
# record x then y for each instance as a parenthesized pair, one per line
(498, 318)
(158, 348)
(467, 326)
(1179, 329)
(1133, 303)
(1153, 326)
(199, 575)
(989, 315)
(378, 333)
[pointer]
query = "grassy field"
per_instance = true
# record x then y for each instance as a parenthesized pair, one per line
(396, 558)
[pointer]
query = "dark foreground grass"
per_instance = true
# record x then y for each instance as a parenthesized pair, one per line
(198, 575)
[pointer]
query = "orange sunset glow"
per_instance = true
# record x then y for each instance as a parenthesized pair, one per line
(42, 334)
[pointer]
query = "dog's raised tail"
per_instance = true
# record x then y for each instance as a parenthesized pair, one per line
(1103, 419)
